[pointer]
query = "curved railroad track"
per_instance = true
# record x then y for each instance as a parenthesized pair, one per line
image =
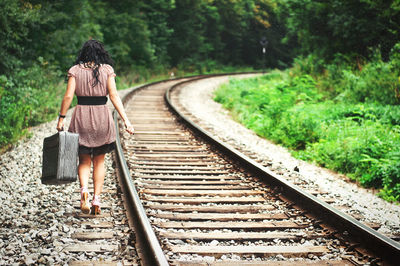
(205, 202)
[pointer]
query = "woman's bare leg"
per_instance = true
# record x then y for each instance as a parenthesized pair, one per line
(85, 162)
(99, 173)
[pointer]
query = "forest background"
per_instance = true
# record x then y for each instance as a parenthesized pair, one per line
(329, 52)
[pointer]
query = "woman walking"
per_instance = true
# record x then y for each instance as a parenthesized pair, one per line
(91, 79)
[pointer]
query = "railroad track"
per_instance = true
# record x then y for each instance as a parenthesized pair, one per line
(208, 204)
(189, 200)
(86, 239)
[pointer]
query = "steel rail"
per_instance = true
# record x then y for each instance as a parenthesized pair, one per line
(150, 246)
(380, 245)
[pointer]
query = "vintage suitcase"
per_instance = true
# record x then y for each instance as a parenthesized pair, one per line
(60, 158)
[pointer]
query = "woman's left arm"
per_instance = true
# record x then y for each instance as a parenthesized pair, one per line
(114, 97)
(66, 102)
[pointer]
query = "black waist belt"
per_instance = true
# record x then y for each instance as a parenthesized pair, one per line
(92, 100)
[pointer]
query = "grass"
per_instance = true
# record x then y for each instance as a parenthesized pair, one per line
(360, 139)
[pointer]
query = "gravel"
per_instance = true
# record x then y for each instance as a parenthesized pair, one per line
(35, 220)
(214, 118)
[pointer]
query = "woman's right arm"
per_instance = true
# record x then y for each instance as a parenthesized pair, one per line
(116, 101)
(66, 102)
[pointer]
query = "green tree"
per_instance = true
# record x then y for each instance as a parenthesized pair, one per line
(188, 44)
(336, 26)
(157, 15)
(64, 27)
(17, 18)
(126, 34)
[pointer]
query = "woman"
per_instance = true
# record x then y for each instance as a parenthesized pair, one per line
(91, 79)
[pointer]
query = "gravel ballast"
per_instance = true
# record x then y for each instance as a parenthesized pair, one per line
(36, 222)
(214, 118)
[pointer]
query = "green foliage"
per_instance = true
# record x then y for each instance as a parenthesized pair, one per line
(16, 22)
(352, 79)
(157, 16)
(10, 114)
(336, 26)
(226, 31)
(26, 102)
(355, 138)
(64, 27)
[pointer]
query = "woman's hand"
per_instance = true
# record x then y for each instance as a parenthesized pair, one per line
(129, 128)
(60, 124)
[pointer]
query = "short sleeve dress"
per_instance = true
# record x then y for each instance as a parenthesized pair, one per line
(94, 123)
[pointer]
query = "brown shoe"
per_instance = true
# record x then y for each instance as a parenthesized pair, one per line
(85, 208)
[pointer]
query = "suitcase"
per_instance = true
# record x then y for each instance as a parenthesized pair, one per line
(60, 158)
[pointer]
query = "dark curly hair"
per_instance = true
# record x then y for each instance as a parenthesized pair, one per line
(91, 55)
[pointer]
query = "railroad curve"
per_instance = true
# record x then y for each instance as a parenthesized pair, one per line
(207, 204)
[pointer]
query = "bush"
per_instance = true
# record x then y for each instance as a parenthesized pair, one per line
(375, 83)
(12, 116)
(27, 99)
(351, 79)
(360, 139)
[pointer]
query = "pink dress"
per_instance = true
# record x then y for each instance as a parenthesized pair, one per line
(94, 123)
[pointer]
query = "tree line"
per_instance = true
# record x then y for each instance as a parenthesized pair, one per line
(143, 33)
(194, 33)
